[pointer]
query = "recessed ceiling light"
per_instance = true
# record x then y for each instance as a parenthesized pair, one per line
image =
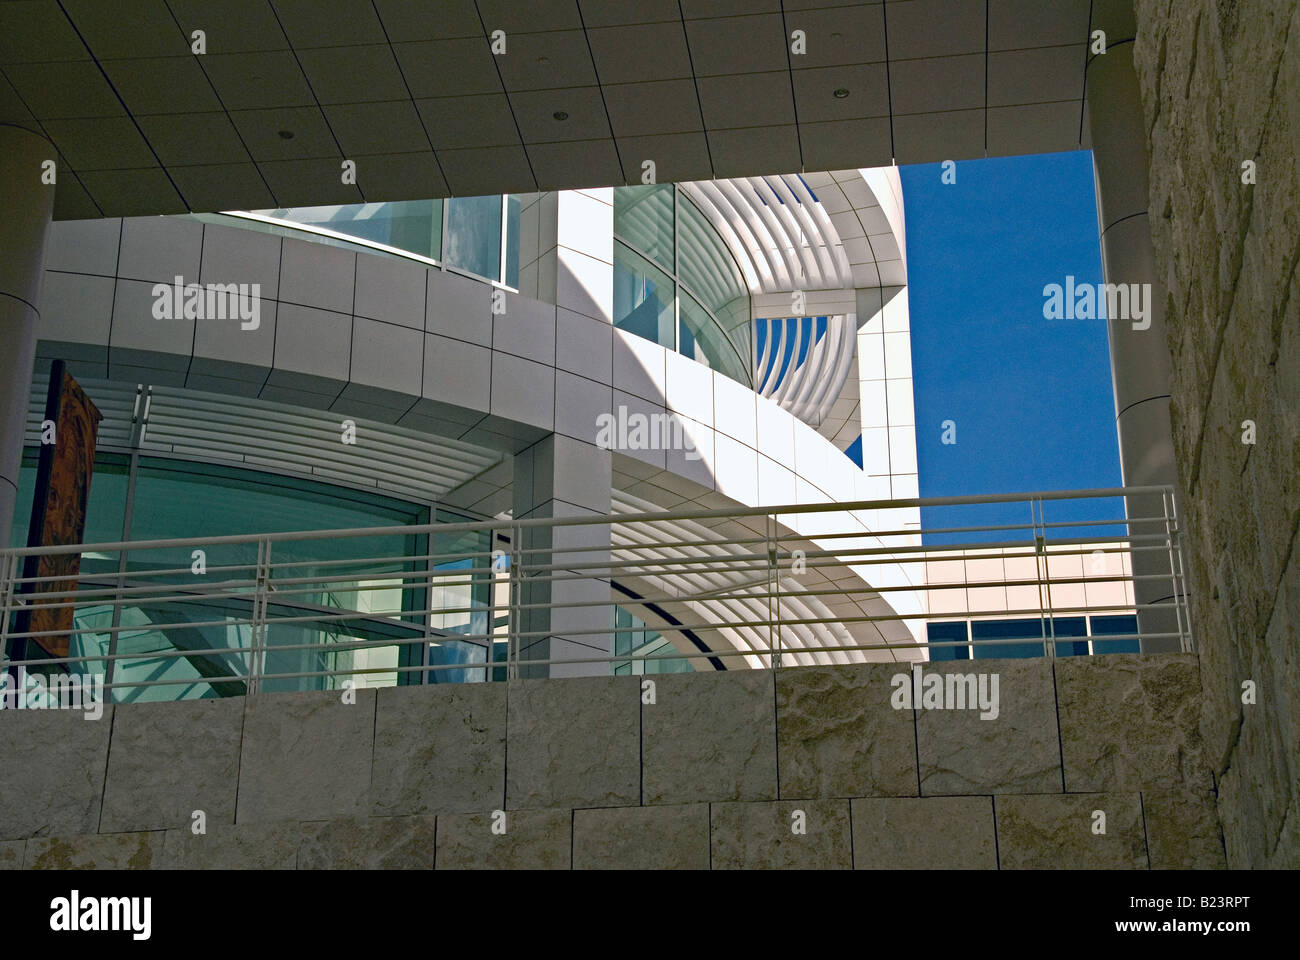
(560, 115)
(841, 93)
(286, 134)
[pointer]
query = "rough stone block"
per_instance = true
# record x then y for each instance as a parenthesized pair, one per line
(710, 737)
(105, 851)
(252, 846)
(1016, 752)
(439, 749)
(306, 756)
(760, 836)
(168, 760)
(533, 840)
(573, 742)
(1183, 832)
(377, 843)
(1055, 832)
(53, 763)
(642, 838)
(1131, 722)
(924, 833)
(11, 854)
(838, 735)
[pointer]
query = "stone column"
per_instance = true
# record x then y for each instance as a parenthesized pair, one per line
(554, 478)
(1139, 352)
(26, 206)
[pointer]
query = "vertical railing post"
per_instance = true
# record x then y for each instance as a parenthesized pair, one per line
(1166, 502)
(773, 595)
(516, 601)
(257, 658)
(8, 575)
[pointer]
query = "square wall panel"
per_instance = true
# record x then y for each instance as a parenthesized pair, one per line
(162, 85)
(448, 68)
(227, 186)
(642, 53)
(1034, 128)
(303, 183)
(935, 28)
(544, 61)
(195, 139)
(354, 74)
(640, 109)
(400, 176)
(737, 45)
(759, 150)
(942, 83)
(747, 100)
(839, 143)
(838, 36)
(480, 121)
(55, 90)
(677, 157)
(377, 128)
(931, 137)
(1036, 76)
(254, 81)
(332, 23)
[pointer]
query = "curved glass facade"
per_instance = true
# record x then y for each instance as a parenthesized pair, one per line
(478, 236)
(148, 498)
(676, 283)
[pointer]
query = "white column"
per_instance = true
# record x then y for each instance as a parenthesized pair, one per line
(26, 206)
(1139, 356)
(561, 477)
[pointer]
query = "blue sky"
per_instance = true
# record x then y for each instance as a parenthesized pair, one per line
(1031, 397)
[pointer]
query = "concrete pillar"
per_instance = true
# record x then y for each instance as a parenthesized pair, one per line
(1139, 355)
(26, 206)
(554, 478)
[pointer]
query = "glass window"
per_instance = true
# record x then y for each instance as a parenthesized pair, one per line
(942, 632)
(1112, 626)
(513, 204)
(643, 216)
(702, 339)
(473, 241)
(1006, 630)
(1071, 627)
(643, 298)
(412, 225)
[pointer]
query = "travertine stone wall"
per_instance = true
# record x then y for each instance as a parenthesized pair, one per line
(804, 767)
(1220, 83)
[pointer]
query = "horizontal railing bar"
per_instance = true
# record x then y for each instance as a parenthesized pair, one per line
(776, 511)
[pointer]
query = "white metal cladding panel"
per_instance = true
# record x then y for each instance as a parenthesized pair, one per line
(276, 436)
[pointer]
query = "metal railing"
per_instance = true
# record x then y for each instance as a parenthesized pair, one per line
(730, 588)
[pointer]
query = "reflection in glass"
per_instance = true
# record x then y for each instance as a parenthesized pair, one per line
(473, 240)
(643, 216)
(413, 225)
(643, 298)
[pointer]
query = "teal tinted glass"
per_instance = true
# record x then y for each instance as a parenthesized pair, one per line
(701, 339)
(513, 204)
(643, 298)
(643, 216)
(473, 240)
(706, 267)
(412, 225)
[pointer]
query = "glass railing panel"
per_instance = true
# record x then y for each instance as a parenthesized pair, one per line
(643, 216)
(643, 298)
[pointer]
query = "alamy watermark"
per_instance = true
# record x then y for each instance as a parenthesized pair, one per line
(1124, 301)
(951, 691)
(643, 431)
(68, 691)
(209, 301)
